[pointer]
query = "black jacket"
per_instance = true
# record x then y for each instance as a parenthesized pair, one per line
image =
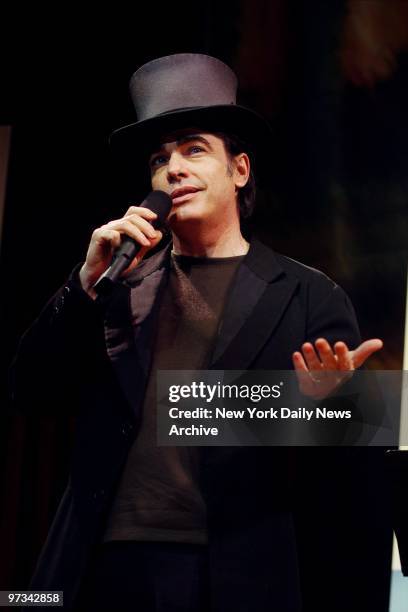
(284, 526)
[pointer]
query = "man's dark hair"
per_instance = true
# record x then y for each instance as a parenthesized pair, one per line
(247, 194)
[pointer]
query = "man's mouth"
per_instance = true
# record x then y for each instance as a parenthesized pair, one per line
(183, 194)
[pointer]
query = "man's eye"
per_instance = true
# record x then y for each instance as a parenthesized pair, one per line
(159, 160)
(195, 149)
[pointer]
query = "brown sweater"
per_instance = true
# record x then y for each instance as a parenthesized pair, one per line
(158, 498)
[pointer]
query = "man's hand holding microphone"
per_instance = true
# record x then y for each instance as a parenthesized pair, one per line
(118, 246)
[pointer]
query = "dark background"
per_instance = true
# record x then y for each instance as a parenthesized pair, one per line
(331, 77)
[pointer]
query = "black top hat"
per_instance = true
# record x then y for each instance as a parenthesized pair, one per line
(186, 90)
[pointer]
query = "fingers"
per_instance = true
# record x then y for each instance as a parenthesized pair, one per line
(134, 226)
(299, 363)
(307, 363)
(312, 357)
(109, 237)
(302, 373)
(343, 355)
(327, 357)
(322, 357)
(143, 252)
(141, 211)
(365, 350)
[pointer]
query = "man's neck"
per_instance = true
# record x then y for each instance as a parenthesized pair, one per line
(226, 245)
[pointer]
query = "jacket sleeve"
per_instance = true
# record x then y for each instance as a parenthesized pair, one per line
(331, 315)
(60, 353)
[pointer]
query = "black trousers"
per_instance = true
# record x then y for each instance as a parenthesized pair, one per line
(146, 577)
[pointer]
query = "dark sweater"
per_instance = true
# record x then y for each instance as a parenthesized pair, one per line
(158, 498)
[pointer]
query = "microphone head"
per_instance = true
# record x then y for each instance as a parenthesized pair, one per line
(160, 203)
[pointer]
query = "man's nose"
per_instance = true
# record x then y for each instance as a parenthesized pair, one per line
(176, 167)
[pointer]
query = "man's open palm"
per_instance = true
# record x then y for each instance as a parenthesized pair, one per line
(321, 369)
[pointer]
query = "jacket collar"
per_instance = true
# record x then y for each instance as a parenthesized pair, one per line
(262, 261)
(257, 301)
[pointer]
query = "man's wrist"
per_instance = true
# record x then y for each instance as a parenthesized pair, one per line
(86, 286)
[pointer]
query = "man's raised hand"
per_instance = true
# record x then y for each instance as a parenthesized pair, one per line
(321, 369)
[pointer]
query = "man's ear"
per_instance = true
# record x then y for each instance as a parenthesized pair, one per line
(242, 168)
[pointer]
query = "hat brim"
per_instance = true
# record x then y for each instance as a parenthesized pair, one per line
(132, 144)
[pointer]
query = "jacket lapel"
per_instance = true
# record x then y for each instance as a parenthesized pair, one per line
(257, 301)
(130, 322)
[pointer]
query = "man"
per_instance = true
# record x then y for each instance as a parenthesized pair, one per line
(143, 527)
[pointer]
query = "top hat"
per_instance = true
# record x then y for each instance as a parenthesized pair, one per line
(181, 91)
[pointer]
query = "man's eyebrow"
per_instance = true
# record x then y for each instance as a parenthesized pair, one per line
(191, 137)
(182, 140)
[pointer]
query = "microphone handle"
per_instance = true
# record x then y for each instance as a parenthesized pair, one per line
(120, 261)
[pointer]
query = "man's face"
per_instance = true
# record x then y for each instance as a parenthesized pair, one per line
(195, 170)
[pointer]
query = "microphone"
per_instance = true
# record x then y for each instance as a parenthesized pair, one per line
(160, 203)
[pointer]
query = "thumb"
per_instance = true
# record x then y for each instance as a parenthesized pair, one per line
(365, 350)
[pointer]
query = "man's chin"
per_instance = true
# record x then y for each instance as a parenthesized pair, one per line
(184, 214)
